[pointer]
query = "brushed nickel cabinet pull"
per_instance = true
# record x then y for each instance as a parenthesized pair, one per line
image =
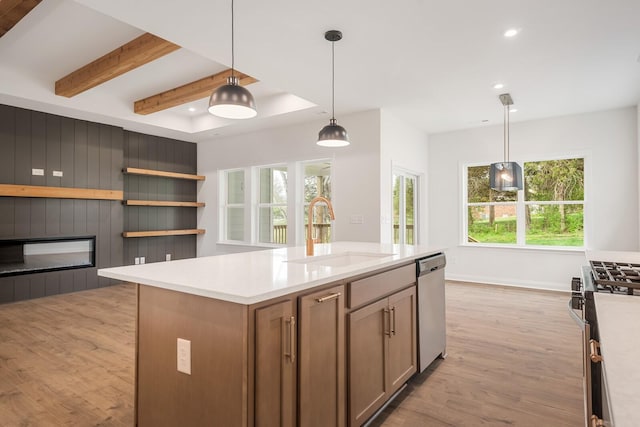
(596, 422)
(595, 356)
(291, 353)
(386, 320)
(292, 338)
(329, 297)
(393, 322)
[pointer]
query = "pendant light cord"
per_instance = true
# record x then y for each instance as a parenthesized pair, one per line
(506, 133)
(333, 80)
(232, 43)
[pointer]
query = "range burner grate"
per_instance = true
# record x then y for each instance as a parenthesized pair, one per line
(616, 274)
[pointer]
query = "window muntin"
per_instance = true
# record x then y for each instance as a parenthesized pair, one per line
(548, 212)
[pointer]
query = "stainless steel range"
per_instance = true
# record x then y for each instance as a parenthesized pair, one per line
(600, 276)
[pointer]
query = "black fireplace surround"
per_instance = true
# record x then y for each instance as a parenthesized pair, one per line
(37, 255)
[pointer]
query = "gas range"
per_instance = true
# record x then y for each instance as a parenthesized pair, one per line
(616, 277)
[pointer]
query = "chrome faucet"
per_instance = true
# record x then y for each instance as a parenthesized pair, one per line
(310, 220)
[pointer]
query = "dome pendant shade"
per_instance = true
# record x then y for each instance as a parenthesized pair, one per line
(333, 135)
(505, 176)
(232, 101)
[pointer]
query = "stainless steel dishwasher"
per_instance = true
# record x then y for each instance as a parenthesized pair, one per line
(431, 311)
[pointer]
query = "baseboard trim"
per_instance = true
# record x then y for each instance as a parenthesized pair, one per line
(539, 286)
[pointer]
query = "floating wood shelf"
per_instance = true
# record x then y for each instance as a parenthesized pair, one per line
(163, 203)
(11, 190)
(162, 233)
(152, 172)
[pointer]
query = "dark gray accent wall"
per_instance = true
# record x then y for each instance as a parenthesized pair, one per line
(90, 155)
(151, 152)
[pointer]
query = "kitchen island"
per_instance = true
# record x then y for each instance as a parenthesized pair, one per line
(275, 337)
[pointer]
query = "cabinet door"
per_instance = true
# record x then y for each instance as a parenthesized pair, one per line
(368, 329)
(275, 350)
(402, 340)
(322, 359)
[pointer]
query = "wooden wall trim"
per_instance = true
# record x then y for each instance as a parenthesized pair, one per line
(152, 172)
(161, 233)
(10, 190)
(163, 203)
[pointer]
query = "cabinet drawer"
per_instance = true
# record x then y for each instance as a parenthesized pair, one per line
(373, 287)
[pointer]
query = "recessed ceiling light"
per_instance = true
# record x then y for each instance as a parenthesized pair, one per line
(192, 109)
(498, 86)
(513, 110)
(511, 32)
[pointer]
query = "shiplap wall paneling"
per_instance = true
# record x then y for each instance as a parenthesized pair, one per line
(151, 152)
(8, 141)
(90, 155)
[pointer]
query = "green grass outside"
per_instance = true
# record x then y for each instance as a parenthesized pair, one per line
(504, 231)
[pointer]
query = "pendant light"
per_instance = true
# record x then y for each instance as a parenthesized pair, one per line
(232, 101)
(506, 176)
(333, 135)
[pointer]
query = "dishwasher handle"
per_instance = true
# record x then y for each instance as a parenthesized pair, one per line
(430, 264)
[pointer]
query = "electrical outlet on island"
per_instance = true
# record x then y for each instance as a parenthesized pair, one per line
(184, 356)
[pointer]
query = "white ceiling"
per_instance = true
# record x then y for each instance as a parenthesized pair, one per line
(431, 63)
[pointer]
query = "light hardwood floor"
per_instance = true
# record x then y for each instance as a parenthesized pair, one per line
(513, 359)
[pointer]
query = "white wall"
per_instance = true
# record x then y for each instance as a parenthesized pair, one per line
(356, 172)
(406, 147)
(609, 139)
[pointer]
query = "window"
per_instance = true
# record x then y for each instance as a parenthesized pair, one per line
(233, 206)
(548, 212)
(317, 182)
(269, 204)
(272, 205)
(404, 207)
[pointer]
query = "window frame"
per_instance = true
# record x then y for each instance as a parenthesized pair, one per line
(520, 204)
(404, 174)
(224, 204)
(259, 205)
(295, 205)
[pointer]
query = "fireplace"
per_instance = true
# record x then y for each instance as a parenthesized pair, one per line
(25, 256)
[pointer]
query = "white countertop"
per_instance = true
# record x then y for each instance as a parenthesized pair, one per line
(251, 277)
(613, 256)
(619, 326)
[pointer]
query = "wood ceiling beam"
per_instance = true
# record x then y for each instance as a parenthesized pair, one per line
(127, 57)
(12, 11)
(187, 93)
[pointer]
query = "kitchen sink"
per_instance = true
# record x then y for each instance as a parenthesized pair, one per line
(340, 259)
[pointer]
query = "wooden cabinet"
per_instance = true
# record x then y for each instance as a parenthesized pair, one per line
(322, 358)
(275, 364)
(382, 352)
(402, 339)
(283, 362)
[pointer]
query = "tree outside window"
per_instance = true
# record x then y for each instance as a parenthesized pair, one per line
(554, 202)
